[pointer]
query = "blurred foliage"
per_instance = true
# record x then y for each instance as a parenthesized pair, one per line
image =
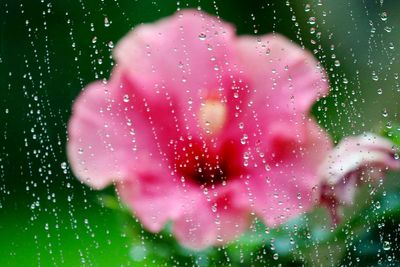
(369, 237)
(49, 50)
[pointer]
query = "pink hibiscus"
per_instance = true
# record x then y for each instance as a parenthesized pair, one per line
(203, 128)
(353, 162)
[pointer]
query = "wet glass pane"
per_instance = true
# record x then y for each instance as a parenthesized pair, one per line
(199, 133)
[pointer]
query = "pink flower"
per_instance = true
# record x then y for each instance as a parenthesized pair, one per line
(203, 128)
(354, 161)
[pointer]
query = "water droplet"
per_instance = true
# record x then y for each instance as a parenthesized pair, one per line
(384, 16)
(386, 245)
(388, 29)
(243, 139)
(267, 167)
(107, 22)
(214, 208)
(202, 36)
(126, 98)
(385, 113)
(63, 165)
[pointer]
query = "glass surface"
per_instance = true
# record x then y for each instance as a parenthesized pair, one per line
(51, 50)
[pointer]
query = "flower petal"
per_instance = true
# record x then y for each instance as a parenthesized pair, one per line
(286, 78)
(354, 153)
(354, 160)
(180, 52)
(186, 58)
(155, 195)
(214, 218)
(196, 227)
(288, 185)
(112, 126)
(98, 146)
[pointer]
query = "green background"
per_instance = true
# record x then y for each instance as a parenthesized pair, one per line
(49, 50)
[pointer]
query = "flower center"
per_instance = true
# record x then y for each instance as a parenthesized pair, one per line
(213, 116)
(206, 166)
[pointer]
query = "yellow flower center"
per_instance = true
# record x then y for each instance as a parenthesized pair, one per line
(213, 116)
